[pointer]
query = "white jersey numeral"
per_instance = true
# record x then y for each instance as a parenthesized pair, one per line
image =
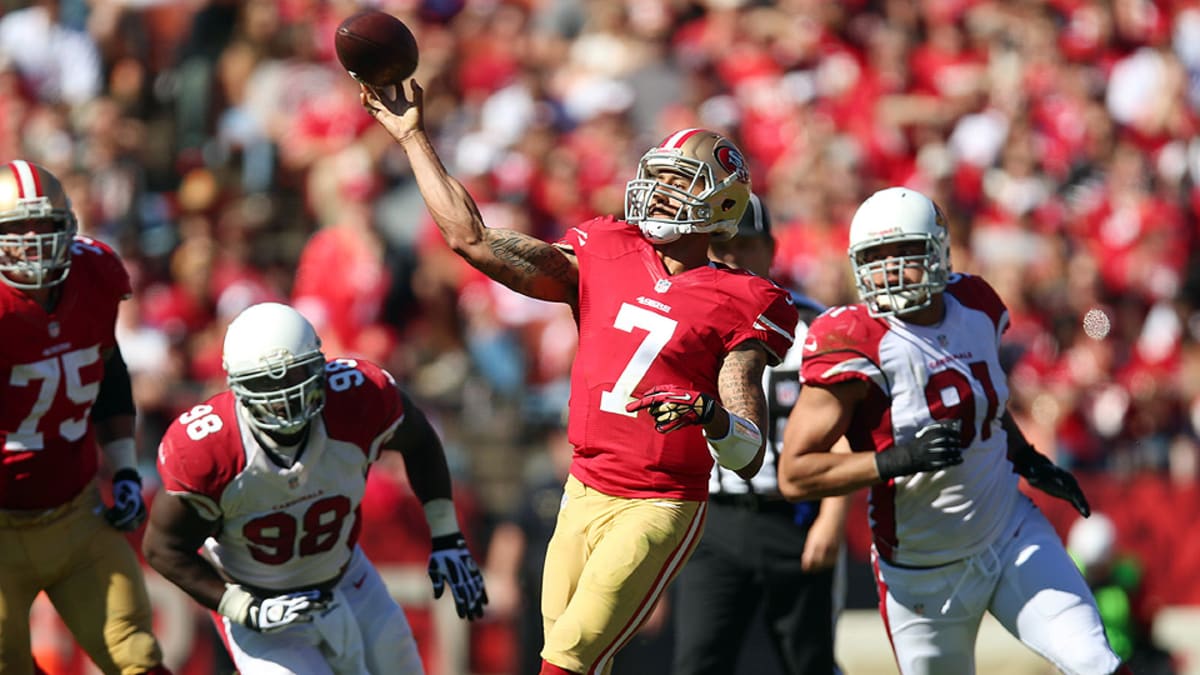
(51, 372)
(200, 421)
(659, 330)
(343, 374)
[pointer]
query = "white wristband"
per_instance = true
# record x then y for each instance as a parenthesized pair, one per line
(739, 447)
(121, 454)
(235, 603)
(439, 513)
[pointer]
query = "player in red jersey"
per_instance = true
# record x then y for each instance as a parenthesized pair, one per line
(259, 520)
(667, 376)
(64, 390)
(911, 376)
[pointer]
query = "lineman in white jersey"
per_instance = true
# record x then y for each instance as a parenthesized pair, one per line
(259, 514)
(912, 377)
(760, 554)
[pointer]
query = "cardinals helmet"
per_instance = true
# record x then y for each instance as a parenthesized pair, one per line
(714, 200)
(899, 215)
(275, 367)
(37, 227)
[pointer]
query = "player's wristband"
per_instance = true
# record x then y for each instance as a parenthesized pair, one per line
(439, 513)
(236, 603)
(739, 446)
(121, 454)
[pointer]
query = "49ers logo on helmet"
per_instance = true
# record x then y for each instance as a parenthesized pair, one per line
(730, 159)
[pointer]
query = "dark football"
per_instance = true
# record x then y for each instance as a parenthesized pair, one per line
(376, 47)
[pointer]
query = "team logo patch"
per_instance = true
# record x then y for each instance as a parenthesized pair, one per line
(54, 329)
(787, 392)
(662, 286)
(730, 159)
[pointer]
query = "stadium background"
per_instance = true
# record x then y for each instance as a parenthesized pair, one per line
(219, 147)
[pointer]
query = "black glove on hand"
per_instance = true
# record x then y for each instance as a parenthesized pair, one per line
(128, 511)
(451, 562)
(673, 407)
(1053, 480)
(936, 446)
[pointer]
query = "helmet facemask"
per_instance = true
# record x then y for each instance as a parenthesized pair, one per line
(885, 297)
(284, 394)
(37, 227)
(917, 236)
(716, 193)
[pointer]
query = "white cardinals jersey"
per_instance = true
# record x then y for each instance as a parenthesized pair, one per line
(918, 375)
(283, 528)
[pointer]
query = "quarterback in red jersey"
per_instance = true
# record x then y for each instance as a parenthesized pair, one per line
(260, 516)
(911, 376)
(65, 390)
(667, 377)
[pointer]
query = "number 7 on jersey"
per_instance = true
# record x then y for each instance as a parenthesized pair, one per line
(659, 330)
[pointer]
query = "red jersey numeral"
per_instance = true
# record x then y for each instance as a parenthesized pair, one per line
(273, 537)
(964, 409)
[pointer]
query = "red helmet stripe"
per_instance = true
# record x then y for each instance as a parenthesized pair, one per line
(27, 178)
(679, 138)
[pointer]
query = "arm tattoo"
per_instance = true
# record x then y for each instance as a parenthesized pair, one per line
(740, 383)
(530, 266)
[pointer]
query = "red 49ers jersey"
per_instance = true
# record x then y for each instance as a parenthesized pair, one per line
(640, 327)
(283, 527)
(51, 364)
(917, 375)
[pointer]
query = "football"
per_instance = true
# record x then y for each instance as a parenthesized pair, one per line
(376, 47)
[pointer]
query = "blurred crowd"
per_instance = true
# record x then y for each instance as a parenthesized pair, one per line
(220, 147)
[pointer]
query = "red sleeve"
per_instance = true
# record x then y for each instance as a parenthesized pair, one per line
(975, 293)
(774, 325)
(576, 238)
(109, 269)
(362, 405)
(843, 344)
(201, 452)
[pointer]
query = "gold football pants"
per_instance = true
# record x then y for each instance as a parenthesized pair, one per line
(92, 577)
(608, 563)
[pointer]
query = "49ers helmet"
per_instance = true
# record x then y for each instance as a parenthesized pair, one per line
(275, 367)
(894, 215)
(30, 260)
(715, 199)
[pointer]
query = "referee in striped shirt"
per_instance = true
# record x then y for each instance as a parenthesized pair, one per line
(759, 551)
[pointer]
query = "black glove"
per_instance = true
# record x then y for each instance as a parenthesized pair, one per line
(673, 407)
(1053, 480)
(128, 511)
(451, 562)
(936, 446)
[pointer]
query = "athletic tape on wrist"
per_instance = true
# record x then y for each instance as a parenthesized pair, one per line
(439, 513)
(121, 454)
(235, 603)
(737, 448)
